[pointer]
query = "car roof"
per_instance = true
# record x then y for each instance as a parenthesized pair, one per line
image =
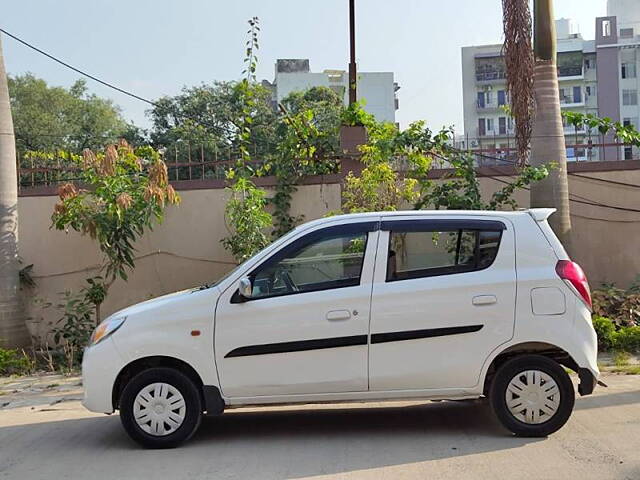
(346, 218)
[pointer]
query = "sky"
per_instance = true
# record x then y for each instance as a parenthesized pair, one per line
(155, 47)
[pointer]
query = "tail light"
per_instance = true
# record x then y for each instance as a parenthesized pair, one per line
(571, 273)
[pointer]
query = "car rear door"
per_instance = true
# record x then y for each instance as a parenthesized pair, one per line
(305, 329)
(443, 299)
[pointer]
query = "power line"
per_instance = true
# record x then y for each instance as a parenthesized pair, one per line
(77, 70)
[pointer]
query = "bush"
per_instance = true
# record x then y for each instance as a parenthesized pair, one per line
(611, 337)
(606, 331)
(621, 306)
(628, 339)
(14, 362)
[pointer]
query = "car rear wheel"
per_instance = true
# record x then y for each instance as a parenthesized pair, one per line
(532, 396)
(160, 408)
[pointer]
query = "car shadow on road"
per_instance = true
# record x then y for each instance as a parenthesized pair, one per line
(607, 400)
(266, 444)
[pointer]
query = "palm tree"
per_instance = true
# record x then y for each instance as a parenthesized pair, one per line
(13, 331)
(532, 79)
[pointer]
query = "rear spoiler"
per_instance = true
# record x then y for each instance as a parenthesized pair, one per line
(541, 214)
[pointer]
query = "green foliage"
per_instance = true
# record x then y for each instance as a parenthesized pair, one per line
(323, 107)
(246, 219)
(303, 149)
(73, 329)
(355, 116)
(605, 330)
(614, 337)
(618, 304)
(460, 190)
(15, 362)
(49, 118)
(624, 133)
(127, 192)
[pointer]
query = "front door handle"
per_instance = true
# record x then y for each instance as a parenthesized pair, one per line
(334, 315)
(484, 300)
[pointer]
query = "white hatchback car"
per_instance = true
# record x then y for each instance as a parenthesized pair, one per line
(375, 306)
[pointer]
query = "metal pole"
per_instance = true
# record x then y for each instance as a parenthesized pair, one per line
(352, 64)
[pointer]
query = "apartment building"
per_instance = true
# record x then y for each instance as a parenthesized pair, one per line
(595, 76)
(378, 89)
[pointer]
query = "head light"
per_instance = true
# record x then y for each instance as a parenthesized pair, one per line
(105, 329)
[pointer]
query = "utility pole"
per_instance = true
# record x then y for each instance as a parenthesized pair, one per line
(353, 98)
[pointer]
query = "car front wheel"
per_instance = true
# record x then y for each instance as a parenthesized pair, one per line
(532, 396)
(160, 408)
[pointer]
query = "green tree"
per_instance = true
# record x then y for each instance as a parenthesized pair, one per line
(211, 116)
(127, 192)
(50, 118)
(326, 109)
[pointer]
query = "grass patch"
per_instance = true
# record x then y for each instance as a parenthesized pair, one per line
(621, 358)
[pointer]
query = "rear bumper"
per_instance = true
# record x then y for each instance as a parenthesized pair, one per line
(100, 367)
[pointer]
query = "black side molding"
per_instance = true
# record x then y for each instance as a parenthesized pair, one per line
(427, 333)
(350, 341)
(298, 346)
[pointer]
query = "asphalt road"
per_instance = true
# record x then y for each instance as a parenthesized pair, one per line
(53, 437)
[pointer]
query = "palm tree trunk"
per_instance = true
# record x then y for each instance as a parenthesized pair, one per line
(13, 331)
(547, 140)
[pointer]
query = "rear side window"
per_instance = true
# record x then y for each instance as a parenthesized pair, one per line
(425, 249)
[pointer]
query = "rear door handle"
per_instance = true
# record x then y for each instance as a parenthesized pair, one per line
(334, 315)
(484, 300)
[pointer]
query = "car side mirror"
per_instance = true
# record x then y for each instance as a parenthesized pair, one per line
(245, 288)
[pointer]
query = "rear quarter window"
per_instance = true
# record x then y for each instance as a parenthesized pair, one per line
(421, 249)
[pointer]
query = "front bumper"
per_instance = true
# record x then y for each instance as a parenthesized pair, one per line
(100, 367)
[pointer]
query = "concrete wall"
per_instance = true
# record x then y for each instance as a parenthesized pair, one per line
(185, 251)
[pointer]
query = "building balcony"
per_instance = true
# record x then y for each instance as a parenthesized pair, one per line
(488, 107)
(570, 71)
(491, 76)
(569, 102)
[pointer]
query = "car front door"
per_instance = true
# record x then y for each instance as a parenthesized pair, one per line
(443, 299)
(304, 330)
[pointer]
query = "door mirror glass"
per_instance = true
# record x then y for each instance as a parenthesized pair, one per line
(245, 288)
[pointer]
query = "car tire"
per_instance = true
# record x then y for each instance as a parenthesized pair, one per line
(160, 408)
(532, 396)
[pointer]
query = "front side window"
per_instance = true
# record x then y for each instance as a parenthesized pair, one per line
(315, 263)
(426, 253)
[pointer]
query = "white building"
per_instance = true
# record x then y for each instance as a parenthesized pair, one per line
(595, 76)
(378, 89)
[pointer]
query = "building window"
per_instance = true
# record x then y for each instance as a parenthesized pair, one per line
(626, 33)
(502, 98)
(480, 99)
(630, 97)
(606, 28)
(489, 98)
(502, 125)
(577, 95)
(482, 127)
(490, 125)
(510, 123)
(628, 70)
(590, 91)
(628, 153)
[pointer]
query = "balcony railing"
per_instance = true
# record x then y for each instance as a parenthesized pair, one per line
(490, 75)
(570, 71)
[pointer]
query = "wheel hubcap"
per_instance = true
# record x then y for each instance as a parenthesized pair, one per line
(159, 409)
(533, 397)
